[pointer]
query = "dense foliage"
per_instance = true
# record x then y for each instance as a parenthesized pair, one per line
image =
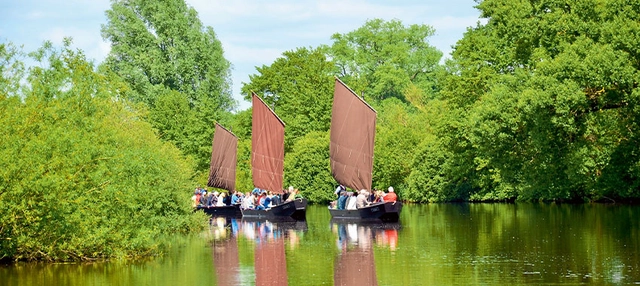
(81, 175)
(545, 101)
(176, 67)
(307, 167)
(382, 59)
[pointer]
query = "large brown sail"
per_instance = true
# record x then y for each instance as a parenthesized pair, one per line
(222, 170)
(267, 147)
(353, 130)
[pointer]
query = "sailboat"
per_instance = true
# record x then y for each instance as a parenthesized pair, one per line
(222, 169)
(353, 130)
(267, 163)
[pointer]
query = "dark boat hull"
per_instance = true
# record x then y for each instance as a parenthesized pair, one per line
(229, 211)
(296, 209)
(387, 212)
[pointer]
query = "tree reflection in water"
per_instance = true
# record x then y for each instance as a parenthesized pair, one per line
(355, 265)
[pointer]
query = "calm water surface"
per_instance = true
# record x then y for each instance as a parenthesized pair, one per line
(438, 244)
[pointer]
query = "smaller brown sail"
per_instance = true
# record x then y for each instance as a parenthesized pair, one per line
(267, 147)
(222, 169)
(353, 130)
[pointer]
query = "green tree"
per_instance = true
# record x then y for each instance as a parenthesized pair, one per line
(384, 58)
(172, 62)
(307, 167)
(399, 130)
(11, 69)
(548, 93)
(81, 176)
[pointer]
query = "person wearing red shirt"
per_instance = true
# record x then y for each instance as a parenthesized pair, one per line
(390, 196)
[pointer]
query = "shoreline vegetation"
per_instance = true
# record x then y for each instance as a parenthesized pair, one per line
(83, 177)
(538, 103)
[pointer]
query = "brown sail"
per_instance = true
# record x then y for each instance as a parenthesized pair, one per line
(267, 147)
(353, 130)
(222, 169)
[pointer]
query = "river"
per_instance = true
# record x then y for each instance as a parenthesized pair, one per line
(435, 244)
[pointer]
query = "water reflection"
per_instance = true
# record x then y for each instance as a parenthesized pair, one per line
(437, 244)
(355, 263)
(268, 237)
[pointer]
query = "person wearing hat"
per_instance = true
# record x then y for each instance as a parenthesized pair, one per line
(391, 196)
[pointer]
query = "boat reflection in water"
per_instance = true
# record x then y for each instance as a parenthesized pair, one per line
(269, 238)
(355, 265)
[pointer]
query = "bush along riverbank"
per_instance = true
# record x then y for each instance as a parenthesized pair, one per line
(82, 177)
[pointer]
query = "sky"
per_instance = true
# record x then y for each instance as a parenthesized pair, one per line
(253, 32)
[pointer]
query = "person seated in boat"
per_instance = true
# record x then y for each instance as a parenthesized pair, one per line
(236, 197)
(207, 199)
(213, 201)
(351, 201)
(221, 199)
(267, 202)
(203, 199)
(247, 202)
(373, 196)
(195, 199)
(242, 197)
(293, 194)
(378, 197)
(342, 200)
(276, 199)
(362, 199)
(391, 196)
(226, 199)
(287, 193)
(260, 200)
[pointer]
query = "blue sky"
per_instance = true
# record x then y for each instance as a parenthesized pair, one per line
(253, 33)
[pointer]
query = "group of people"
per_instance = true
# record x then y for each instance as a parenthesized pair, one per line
(351, 200)
(203, 198)
(257, 199)
(262, 199)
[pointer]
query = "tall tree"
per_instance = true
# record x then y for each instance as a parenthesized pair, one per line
(172, 61)
(384, 58)
(547, 93)
(400, 128)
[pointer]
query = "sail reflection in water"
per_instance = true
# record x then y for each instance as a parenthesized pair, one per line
(268, 237)
(355, 265)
